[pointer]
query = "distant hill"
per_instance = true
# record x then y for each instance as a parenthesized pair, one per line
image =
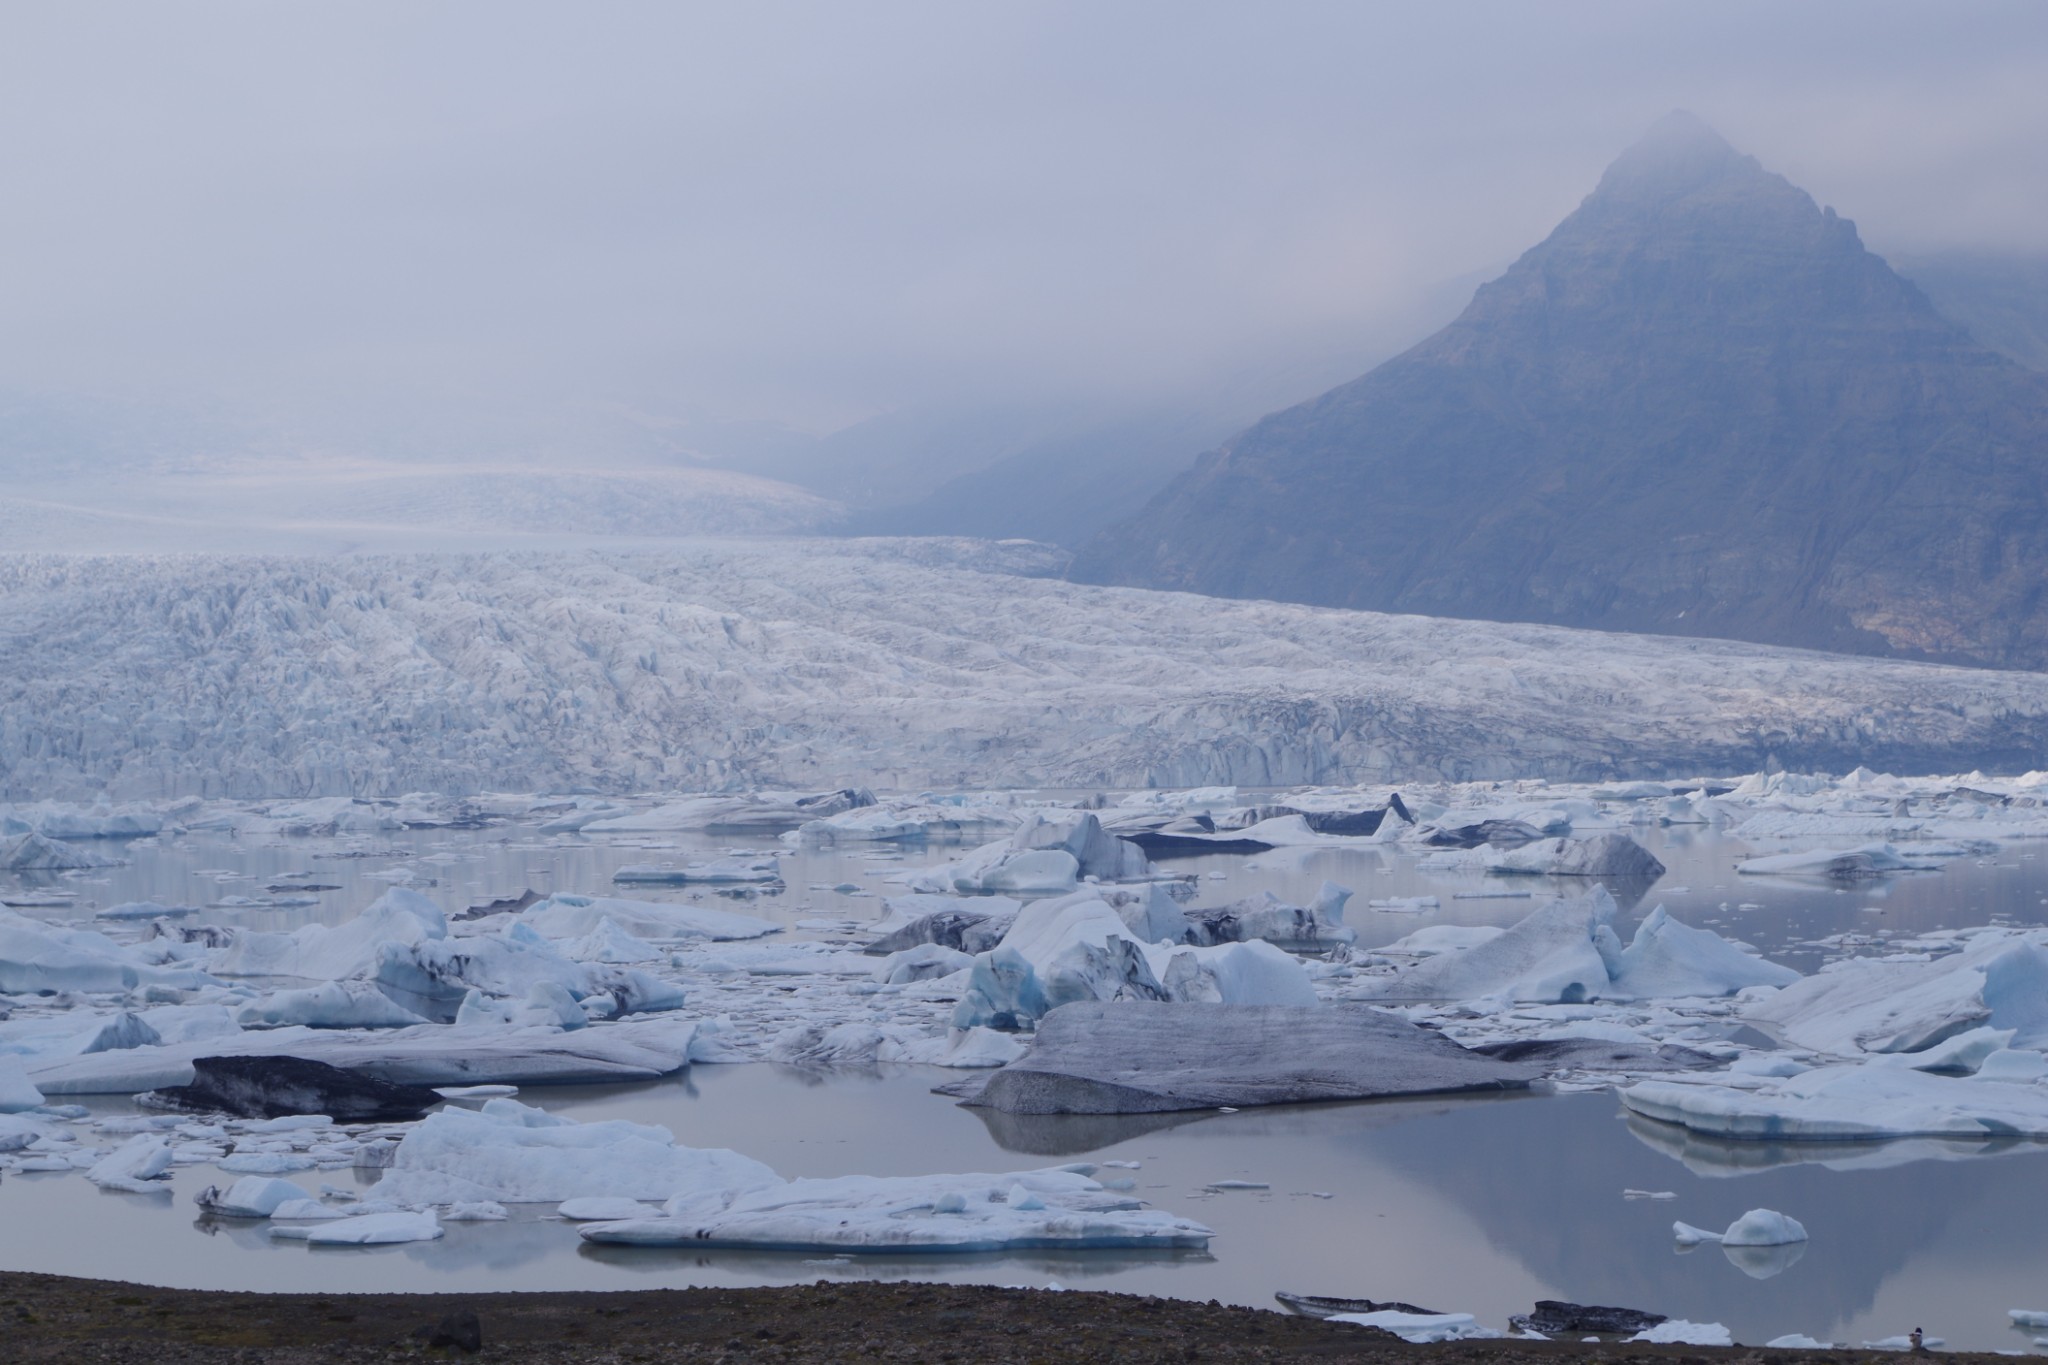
(1699, 407)
(2001, 299)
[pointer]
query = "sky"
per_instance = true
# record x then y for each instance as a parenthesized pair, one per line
(809, 214)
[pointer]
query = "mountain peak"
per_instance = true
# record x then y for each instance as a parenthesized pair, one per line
(1678, 156)
(1699, 406)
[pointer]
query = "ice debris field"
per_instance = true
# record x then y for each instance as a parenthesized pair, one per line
(351, 1043)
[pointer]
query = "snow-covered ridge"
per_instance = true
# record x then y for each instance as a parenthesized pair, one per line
(722, 665)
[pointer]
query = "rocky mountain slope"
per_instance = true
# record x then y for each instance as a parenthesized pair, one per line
(1700, 407)
(904, 664)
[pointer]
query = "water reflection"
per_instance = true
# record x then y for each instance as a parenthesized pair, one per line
(1720, 1157)
(783, 1266)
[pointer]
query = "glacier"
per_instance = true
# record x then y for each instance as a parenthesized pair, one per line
(723, 665)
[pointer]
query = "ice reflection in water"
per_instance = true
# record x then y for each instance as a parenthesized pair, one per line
(1479, 1205)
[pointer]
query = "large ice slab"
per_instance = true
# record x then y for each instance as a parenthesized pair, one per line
(1856, 1101)
(38, 958)
(956, 1214)
(1133, 1057)
(1999, 980)
(434, 1055)
(565, 916)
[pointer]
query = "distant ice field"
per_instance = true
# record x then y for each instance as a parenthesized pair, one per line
(724, 665)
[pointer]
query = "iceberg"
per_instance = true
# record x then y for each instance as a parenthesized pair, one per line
(33, 852)
(318, 952)
(516, 1154)
(336, 1004)
(44, 959)
(1265, 916)
(1847, 1102)
(1840, 865)
(1078, 948)
(1667, 959)
(253, 1196)
(953, 1214)
(372, 1229)
(563, 916)
(138, 1166)
(1132, 1057)
(430, 1055)
(1679, 1332)
(1568, 953)
(1999, 980)
(1422, 1328)
(717, 872)
(1550, 955)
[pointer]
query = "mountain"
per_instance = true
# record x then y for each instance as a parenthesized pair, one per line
(2001, 298)
(1699, 407)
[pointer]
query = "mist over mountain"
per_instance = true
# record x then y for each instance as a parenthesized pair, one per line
(1699, 407)
(2001, 298)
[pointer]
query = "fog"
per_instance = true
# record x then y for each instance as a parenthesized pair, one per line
(422, 228)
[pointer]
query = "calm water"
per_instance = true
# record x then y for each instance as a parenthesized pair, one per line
(1472, 1205)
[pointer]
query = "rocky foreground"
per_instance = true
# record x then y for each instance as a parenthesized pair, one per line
(51, 1318)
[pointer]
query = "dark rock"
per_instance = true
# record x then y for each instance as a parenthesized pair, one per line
(1485, 832)
(961, 930)
(1554, 1315)
(1324, 1305)
(458, 1331)
(1137, 1057)
(1700, 407)
(272, 1087)
(504, 905)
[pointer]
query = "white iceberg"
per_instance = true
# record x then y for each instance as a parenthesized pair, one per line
(319, 952)
(1422, 1328)
(253, 1196)
(1847, 1103)
(1836, 864)
(1679, 1332)
(1567, 953)
(953, 1214)
(567, 916)
(334, 1004)
(517, 1154)
(716, 872)
(1078, 948)
(1999, 980)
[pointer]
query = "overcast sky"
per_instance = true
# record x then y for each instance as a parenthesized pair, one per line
(813, 212)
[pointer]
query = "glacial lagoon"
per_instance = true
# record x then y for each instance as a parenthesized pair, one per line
(1478, 1205)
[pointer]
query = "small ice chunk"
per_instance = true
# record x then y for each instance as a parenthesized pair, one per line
(604, 1210)
(133, 1166)
(1796, 1341)
(1677, 1331)
(376, 1229)
(1420, 1328)
(1763, 1228)
(253, 1196)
